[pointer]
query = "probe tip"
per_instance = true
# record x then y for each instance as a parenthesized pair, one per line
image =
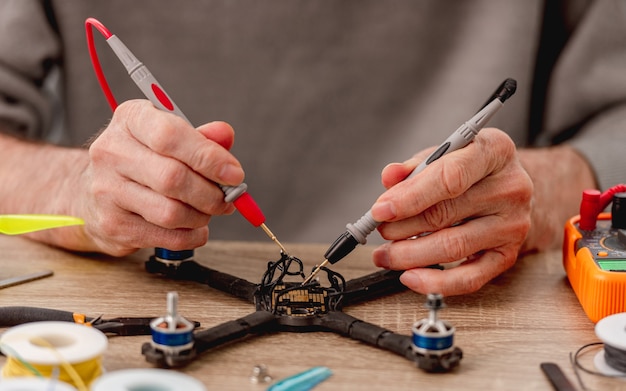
(274, 238)
(317, 270)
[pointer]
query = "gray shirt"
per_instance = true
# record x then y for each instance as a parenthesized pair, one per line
(323, 94)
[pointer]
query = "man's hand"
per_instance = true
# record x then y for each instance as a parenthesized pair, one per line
(473, 204)
(151, 181)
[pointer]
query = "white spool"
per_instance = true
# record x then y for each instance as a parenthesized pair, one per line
(612, 331)
(147, 379)
(75, 343)
(34, 384)
(50, 344)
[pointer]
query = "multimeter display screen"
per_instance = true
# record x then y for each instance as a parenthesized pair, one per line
(615, 265)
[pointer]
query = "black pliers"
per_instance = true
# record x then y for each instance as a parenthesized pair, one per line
(122, 326)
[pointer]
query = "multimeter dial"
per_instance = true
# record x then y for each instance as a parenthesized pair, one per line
(607, 246)
(615, 242)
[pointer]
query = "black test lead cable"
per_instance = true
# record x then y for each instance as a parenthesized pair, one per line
(357, 233)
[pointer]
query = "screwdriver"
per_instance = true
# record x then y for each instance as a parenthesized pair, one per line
(357, 233)
(147, 83)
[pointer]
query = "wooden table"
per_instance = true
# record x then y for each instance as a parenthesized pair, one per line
(527, 316)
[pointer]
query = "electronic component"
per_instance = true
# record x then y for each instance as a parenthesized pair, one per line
(433, 339)
(260, 374)
(301, 301)
(172, 334)
(594, 253)
(357, 233)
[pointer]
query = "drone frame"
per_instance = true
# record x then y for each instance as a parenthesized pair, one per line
(294, 307)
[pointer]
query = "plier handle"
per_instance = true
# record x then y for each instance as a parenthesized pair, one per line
(122, 326)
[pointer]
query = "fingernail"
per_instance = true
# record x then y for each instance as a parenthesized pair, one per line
(392, 165)
(411, 162)
(411, 280)
(383, 211)
(380, 256)
(231, 173)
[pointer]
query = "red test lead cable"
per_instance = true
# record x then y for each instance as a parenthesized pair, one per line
(151, 88)
(593, 202)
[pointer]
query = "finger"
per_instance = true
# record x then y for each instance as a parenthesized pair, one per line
(119, 232)
(446, 178)
(118, 153)
(466, 278)
(394, 173)
(157, 209)
(170, 178)
(171, 136)
(451, 244)
(507, 194)
(220, 132)
(124, 234)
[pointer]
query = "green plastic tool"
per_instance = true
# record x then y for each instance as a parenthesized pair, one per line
(21, 224)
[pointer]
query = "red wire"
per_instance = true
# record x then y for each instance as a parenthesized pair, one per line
(93, 54)
(245, 204)
(594, 202)
(607, 196)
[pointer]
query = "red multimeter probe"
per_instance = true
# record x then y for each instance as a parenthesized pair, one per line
(151, 88)
(594, 253)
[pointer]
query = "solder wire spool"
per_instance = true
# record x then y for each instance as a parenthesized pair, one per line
(611, 330)
(62, 351)
(147, 380)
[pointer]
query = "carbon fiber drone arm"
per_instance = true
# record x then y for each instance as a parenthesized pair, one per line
(193, 271)
(371, 286)
(369, 333)
(255, 323)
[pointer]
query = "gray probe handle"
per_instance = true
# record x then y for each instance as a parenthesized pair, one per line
(457, 140)
(363, 227)
(231, 193)
(146, 82)
(462, 136)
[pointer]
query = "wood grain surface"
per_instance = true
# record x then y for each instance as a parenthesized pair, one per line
(527, 316)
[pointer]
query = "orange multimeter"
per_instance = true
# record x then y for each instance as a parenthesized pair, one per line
(594, 253)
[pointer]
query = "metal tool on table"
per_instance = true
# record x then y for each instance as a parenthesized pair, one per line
(17, 224)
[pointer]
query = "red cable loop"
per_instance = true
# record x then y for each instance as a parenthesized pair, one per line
(593, 203)
(245, 204)
(98, 25)
(607, 196)
(94, 58)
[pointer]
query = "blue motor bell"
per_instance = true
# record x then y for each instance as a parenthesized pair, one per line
(433, 339)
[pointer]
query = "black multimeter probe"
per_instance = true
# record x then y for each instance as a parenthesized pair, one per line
(357, 233)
